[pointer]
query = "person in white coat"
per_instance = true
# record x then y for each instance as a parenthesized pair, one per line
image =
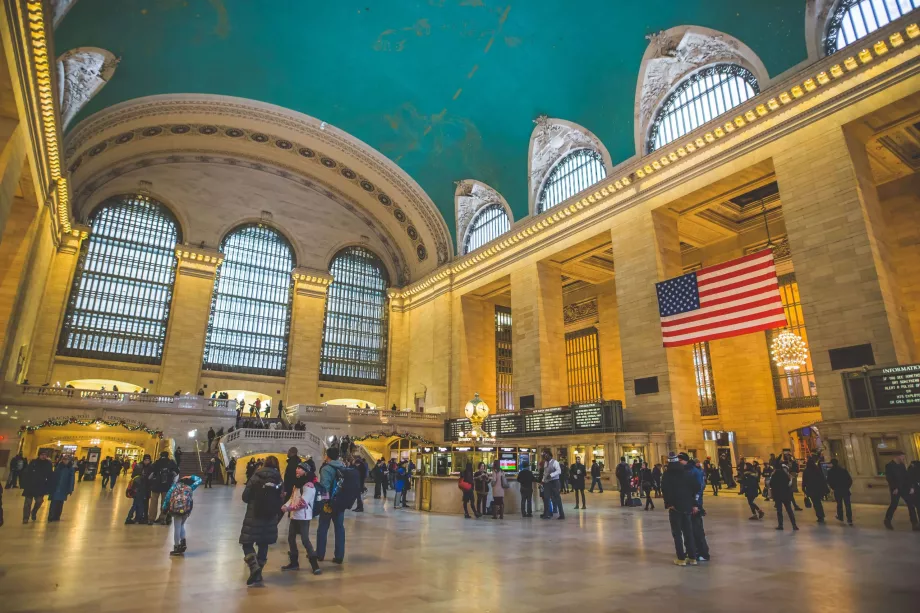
(301, 506)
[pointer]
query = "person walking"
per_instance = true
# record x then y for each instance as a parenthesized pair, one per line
(678, 487)
(781, 491)
(656, 475)
(647, 483)
(696, 518)
(36, 484)
(301, 507)
(263, 496)
(499, 484)
(114, 470)
(577, 474)
(714, 479)
(361, 466)
(209, 472)
(596, 477)
(767, 473)
(62, 483)
(815, 486)
(332, 465)
(750, 485)
(482, 478)
(564, 482)
(526, 480)
(81, 469)
(840, 481)
(552, 500)
(467, 485)
(900, 488)
(231, 472)
(140, 484)
(624, 476)
(104, 470)
(17, 464)
(178, 504)
(161, 478)
(210, 439)
(402, 486)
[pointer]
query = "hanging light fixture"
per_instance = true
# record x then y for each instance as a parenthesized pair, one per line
(789, 351)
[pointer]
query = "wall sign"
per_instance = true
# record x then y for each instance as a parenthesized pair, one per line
(883, 391)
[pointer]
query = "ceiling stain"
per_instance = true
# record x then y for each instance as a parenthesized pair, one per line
(386, 41)
(512, 41)
(222, 29)
(473, 71)
(457, 94)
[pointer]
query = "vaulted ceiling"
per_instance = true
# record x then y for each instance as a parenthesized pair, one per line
(446, 89)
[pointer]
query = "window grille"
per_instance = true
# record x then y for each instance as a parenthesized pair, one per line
(705, 384)
(583, 366)
(489, 223)
(251, 308)
(504, 364)
(793, 390)
(699, 99)
(355, 331)
(122, 290)
(855, 19)
(575, 172)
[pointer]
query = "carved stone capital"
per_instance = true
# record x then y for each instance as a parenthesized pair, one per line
(311, 282)
(71, 241)
(198, 261)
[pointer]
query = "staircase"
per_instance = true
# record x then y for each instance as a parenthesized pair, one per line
(190, 464)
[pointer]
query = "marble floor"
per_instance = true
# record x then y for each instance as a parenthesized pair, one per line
(603, 559)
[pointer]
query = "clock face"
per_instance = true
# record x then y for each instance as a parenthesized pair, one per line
(481, 409)
(469, 409)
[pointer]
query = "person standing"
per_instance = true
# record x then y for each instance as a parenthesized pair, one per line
(564, 477)
(209, 471)
(714, 479)
(767, 473)
(577, 474)
(301, 507)
(161, 478)
(499, 484)
(647, 483)
(678, 487)
(596, 477)
(361, 467)
(401, 484)
(210, 439)
(263, 495)
(551, 493)
(327, 477)
(840, 481)
(750, 485)
(696, 518)
(380, 479)
(900, 488)
(250, 468)
(290, 471)
(178, 504)
(81, 469)
(525, 481)
(391, 473)
(482, 489)
(815, 486)
(36, 484)
(62, 483)
(469, 494)
(624, 475)
(781, 490)
(17, 464)
(140, 481)
(178, 456)
(231, 472)
(104, 470)
(656, 475)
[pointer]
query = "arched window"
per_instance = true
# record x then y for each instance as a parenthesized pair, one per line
(251, 307)
(576, 171)
(854, 19)
(699, 99)
(119, 301)
(488, 224)
(355, 332)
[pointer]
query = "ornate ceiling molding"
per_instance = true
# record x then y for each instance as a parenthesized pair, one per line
(82, 72)
(469, 198)
(286, 132)
(817, 15)
(59, 8)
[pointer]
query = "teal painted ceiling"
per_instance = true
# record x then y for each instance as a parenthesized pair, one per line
(447, 89)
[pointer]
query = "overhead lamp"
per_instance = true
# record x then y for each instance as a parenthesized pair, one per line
(789, 351)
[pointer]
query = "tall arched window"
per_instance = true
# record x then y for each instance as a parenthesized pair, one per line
(854, 19)
(489, 223)
(119, 301)
(699, 99)
(251, 308)
(576, 171)
(355, 332)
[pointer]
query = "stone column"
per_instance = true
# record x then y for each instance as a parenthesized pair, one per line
(306, 340)
(842, 259)
(538, 336)
(188, 319)
(398, 353)
(474, 329)
(646, 249)
(608, 332)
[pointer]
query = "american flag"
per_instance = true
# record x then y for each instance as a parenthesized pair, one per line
(728, 299)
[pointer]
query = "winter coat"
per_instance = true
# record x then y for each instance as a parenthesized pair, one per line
(62, 482)
(482, 479)
(255, 529)
(595, 471)
(679, 488)
(290, 474)
(577, 474)
(781, 486)
(750, 485)
(839, 480)
(114, 468)
(496, 479)
(402, 479)
(302, 505)
(623, 474)
(36, 478)
(896, 475)
(646, 478)
(526, 479)
(159, 465)
(813, 481)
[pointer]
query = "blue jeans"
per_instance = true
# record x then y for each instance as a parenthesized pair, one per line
(322, 531)
(596, 481)
(138, 509)
(112, 479)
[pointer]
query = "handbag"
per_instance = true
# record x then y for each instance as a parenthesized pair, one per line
(464, 485)
(807, 502)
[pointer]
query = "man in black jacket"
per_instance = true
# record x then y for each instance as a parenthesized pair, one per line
(623, 474)
(290, 472)
(526, 480)
(900, 487)
(577, 473)
(678, 487)
(36, 484)
(596, 476)
(839, 480)
(161, 478)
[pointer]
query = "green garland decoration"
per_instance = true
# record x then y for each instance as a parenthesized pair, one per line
(73, 421)
(376, 436)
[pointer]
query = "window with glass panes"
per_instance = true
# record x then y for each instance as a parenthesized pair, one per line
(583, 366)
(575, 172)
(251, 307)
(504, 365)
(355, 332)
(488, 224)
(855, 19)
(699, 99)
(705, 386)
(122, 290)
(796, 389)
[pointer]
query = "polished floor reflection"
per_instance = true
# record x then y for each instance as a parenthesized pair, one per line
(600, 560)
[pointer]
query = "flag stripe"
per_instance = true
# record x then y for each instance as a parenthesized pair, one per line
(738, 262)
(766, 286)
(698, 315)
(718, 322)
(764, 262)
(755, 293)
(745, 281)
(715, 336)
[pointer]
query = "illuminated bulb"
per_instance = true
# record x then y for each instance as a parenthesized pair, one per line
(789, 351)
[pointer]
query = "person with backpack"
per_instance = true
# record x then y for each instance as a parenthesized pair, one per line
(499, 484)
(160, 479)
(301, 507)
(36, 484)
(750, 485)
(263, 495)
(178, 505)
(231, 472)
(332, 512)
(139, 491)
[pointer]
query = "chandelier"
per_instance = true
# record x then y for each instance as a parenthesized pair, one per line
(789, 351)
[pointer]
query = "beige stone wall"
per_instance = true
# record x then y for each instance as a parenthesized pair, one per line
(309, 310)
(474, 339)
(398, 356)
(430, 341)
(608, 332)
(901, 207)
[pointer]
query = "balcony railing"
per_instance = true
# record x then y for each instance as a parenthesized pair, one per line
(342, 414)
(75, 397)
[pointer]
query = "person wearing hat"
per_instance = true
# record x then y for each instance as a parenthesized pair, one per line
(300, 507)
(290, 471)
(679, 487)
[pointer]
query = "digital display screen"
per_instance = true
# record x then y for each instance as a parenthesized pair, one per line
(508, 462)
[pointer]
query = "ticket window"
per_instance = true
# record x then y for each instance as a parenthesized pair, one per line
(442, 463)
(883, 450)
(634, 453)
(597, 453)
